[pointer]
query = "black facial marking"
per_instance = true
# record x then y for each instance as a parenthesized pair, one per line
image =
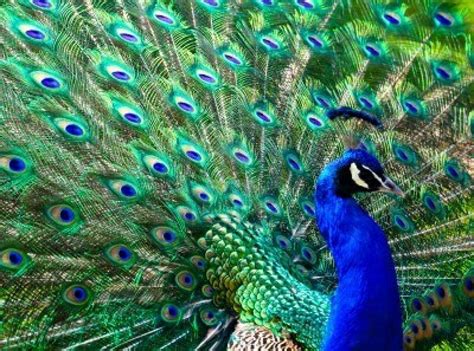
(346, 186)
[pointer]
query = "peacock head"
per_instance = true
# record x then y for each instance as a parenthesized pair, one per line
(359, 171)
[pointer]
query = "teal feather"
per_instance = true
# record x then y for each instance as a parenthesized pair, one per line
(157, 160)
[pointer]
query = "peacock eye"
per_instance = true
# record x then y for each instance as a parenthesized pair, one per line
(198, 262)
(13, 260)
(170, 313)
(186, 280)
(76, 294)
(63, 215)
(119, 255)
(209, 317)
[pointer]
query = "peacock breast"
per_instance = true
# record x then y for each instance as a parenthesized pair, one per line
(246, 273)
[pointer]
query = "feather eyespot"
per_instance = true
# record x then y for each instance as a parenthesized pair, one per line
(32, 32)
(62, 215)
(13, 260)
(165, 236)
(42, 4)
(186, 280)
(72, 129)
(14, 165)
(283, 242)
(392, 18)
(123, 189)
(170, 313)
(209, 317)
(187, 214)
(47, 80)
(119, 255)
(199, 262)
(305, 4)
(443, 19)
(308, 254)
(468, 286)
(77, 295)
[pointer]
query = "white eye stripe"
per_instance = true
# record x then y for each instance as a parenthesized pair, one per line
(376, 177)
(355, 176)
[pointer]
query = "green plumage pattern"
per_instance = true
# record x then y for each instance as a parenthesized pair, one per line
(158, 160)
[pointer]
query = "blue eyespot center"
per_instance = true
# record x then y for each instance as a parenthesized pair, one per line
(414, 328)
(169, 236)
(211, 2)
(366, 102)
(124, 253)
(270, 43)
(469, 284)
(410, 106)
(294, 164)
(402, 154)
(443, 19)
(400, 222)
(241, 157)
(35, 34)
(373, 51)
(50, 83)
(128, 190)
(452, 171)
(305, 4)
(16, 164)
(417, 305)
(430, 203)
(441, 292)
(204, 196)
(74, 129)
(160, 167)
(173, 311)
(271, 207)
(80, 294)
(315, 41)
(163, 18)
(189, 216)
(237, 202)
(42, 3)
(67, 215)
(129, 37)
(263, 116)
(322, 102)
(15, 258)
(315, 121)
(132, 117)
(443, 73)
(206, 78)
(232, 59)
(185, 106)
(120, 75)
(391, 18)
(193, 155)
(309, 210)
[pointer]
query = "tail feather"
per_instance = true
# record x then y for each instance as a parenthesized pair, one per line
(126, 125)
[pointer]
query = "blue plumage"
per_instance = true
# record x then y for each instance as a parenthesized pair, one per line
(366, 302)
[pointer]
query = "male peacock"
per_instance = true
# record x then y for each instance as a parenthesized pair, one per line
(158, 160)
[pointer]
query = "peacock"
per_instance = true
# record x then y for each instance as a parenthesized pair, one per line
(236, 174)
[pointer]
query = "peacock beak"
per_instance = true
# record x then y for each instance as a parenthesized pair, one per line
(388, 186)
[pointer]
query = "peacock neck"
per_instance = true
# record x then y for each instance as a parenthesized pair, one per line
(365, 311)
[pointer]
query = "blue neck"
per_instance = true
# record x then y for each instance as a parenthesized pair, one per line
(365, 311)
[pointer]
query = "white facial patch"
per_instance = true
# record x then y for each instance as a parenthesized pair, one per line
(376, 177)
(355, 176)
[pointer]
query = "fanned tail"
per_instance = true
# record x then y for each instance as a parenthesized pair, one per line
(128, 127)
